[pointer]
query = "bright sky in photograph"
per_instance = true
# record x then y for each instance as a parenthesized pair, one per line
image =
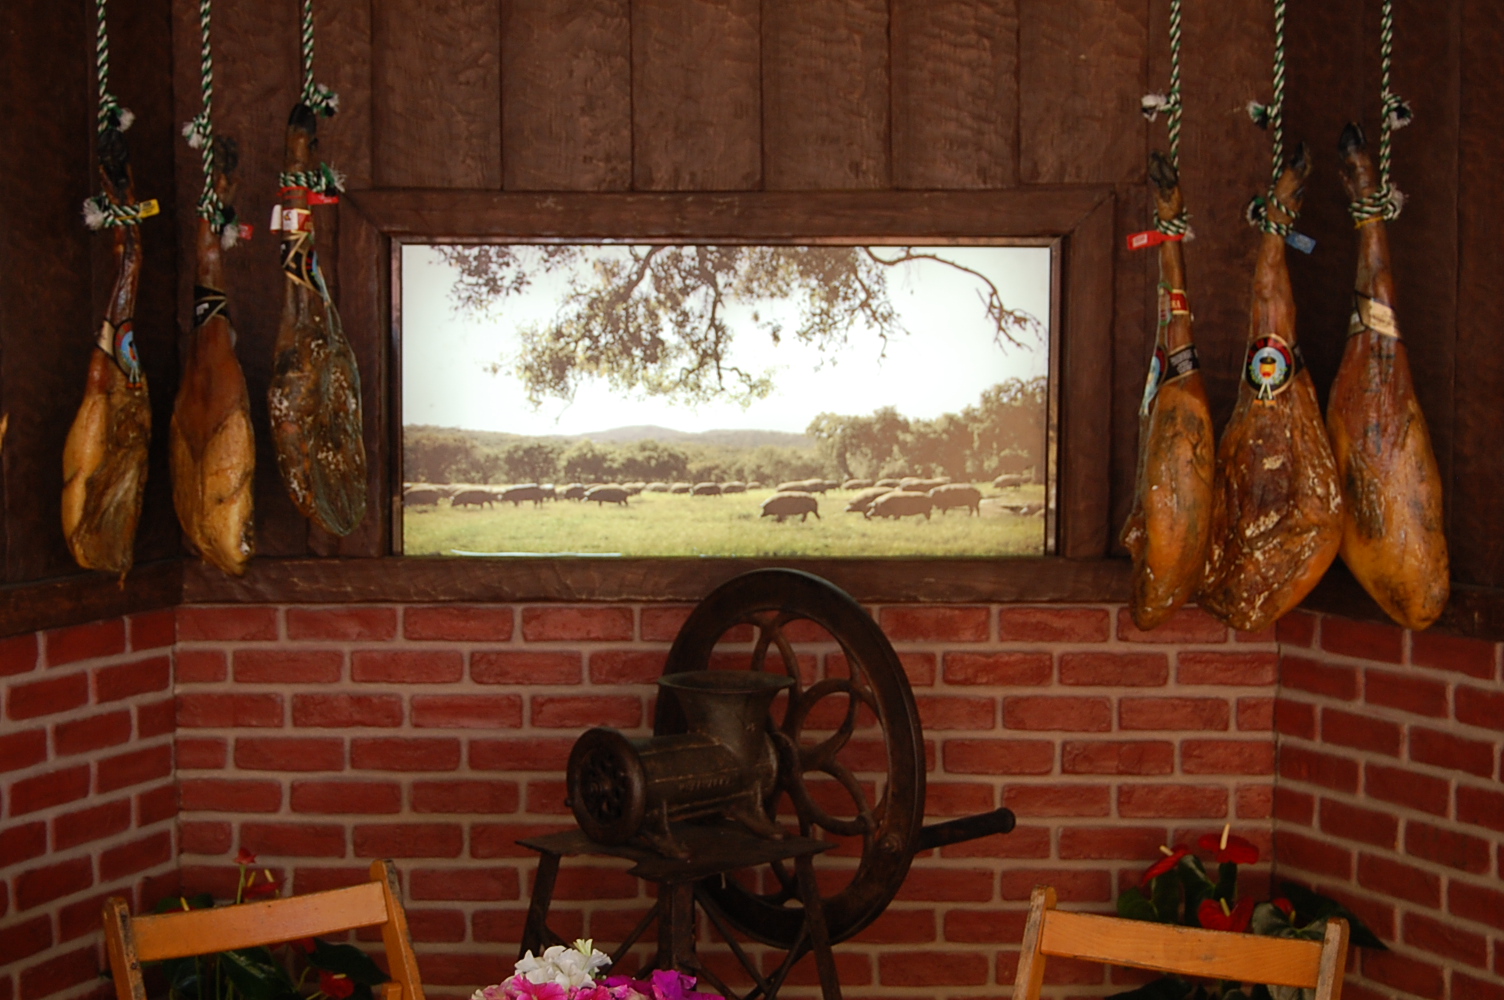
(948, 358)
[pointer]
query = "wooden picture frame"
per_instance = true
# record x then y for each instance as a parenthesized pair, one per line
(1076, 221)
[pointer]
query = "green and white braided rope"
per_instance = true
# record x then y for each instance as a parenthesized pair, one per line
(1386, 202)
(323, 179)
(1170, 104)
(1272, 117)
(317, 96)
(200, 132)
(111, 113)
(100, 211)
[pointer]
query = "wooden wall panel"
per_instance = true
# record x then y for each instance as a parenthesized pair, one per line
(1325, 90)
(825, 94)
(46, 314)
(696, 95)
(566, 88)
(436, 104)
(1086, 368)
(1081, 73)
(1424, 239)
(342, 61)
(955, 93)
(1478, 460)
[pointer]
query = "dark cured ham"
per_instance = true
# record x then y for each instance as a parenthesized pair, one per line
(1393, 535)
(314, 396)
(104, 459)
(1169, 527)
(1277, 514)
(213, 449)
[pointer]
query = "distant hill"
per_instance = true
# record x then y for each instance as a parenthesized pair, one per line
(729, 438)
(644, 432)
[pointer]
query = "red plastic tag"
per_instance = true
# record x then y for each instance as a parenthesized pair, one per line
(244, 231)
(1151, 238)
(1178, 303)
(319, 198)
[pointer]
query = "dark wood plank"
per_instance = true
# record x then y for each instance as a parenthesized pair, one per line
(1032, 212)
(364, 303)
(413, 579)
(566, 90)
(1474, 612)
(1086, 371)
(1081, 73)
(1477, 499)
(436, 102)
(89, 597)
(696, 95)
(46, 313)
(342, 60)
(1424, 239)
(825, 94)
(1326, 89)
(955, 93)
(138, 33)
(1136, 275)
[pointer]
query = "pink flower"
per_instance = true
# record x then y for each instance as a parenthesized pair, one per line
(1164, 864)
(1238, 851)
(668, 984)
(523, 987)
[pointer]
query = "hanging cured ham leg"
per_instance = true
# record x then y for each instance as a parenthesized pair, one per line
(1169, 526)
(315, 390)
(1277, 514)
(1392, 534)
(213, 451)
(104, 459)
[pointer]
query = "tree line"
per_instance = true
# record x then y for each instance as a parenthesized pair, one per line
(1004, 432)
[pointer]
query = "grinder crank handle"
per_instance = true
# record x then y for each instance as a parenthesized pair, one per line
(966, 828)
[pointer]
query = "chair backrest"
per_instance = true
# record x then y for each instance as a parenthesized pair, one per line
(377, 903)
(1189, 951)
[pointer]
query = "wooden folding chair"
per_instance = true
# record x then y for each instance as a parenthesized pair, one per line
(1187, 951)
(377, 903)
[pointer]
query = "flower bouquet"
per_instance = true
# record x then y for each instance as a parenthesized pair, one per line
(310, 969)
(1177, 889)
(562, 973)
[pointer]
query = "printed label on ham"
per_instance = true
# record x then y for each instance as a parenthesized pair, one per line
(1277, 512)
(1393, 535)
(105, 455)
(314, 396)
(213, 450)
(1168, 527)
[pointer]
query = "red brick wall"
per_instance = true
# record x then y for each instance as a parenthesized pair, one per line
(322, 737)
(87, 792)
(1389, 797)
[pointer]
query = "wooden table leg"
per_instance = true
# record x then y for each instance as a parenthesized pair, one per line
(676, 927)
(819, 933)
(535, 931)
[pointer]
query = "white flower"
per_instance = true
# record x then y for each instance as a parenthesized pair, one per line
(570, 968)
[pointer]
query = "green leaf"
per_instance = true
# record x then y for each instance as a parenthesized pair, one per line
(1134, 905)
(1311, 906)
(256, 975)
(1227, 881)
(348, 960)
(174, 904)
(1165, 892)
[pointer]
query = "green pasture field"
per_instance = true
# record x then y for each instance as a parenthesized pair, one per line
(663, 524)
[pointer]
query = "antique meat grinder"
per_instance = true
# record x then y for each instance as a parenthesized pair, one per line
(700, 799)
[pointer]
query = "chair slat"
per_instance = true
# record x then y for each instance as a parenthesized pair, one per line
(271, 921)
(1190, 951)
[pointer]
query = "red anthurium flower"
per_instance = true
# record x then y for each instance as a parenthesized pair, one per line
(1164, 864)
(258, 889)
(1230, 847)
(335, 984)
(245, 858)
(1285, 906)
(306, 945)
(1214, 915)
